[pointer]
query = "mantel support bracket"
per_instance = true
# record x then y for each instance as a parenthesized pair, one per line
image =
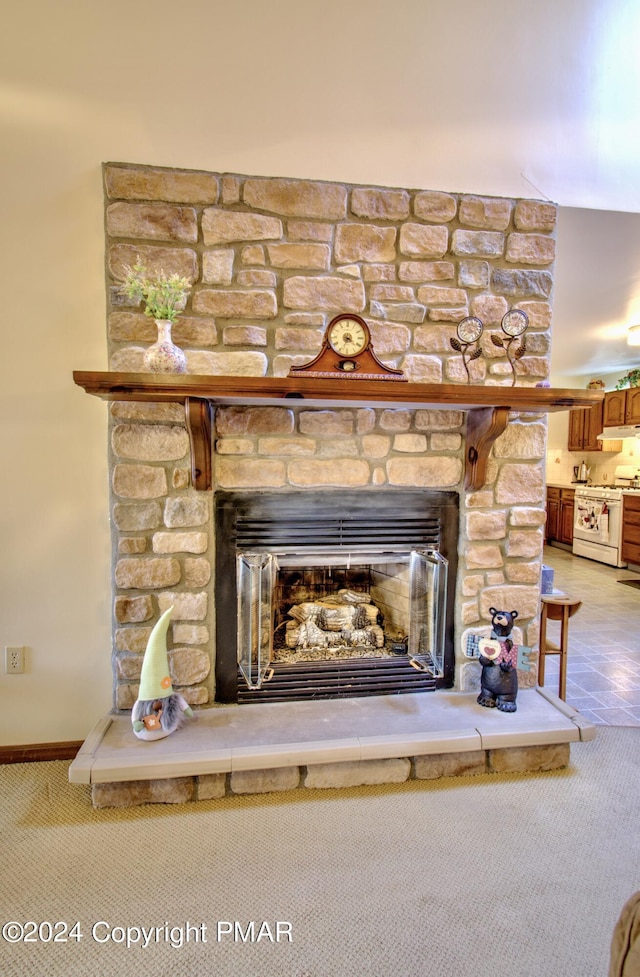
(199, 414)
(484, 425)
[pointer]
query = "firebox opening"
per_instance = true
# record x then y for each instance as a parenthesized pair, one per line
(334, 596)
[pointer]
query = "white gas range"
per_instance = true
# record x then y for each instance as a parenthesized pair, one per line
(597, 522)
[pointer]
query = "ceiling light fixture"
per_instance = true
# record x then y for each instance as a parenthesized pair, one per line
(633, 335)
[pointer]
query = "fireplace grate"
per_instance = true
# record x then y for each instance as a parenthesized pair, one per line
(304, 532)
(339, 679)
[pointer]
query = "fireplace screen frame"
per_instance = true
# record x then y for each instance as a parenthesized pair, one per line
(252, 524)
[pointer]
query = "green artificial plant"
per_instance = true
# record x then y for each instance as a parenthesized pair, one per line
(630, 379)
(164, 296)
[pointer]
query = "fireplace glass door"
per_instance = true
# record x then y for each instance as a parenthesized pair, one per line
(325, 594)
(336, 606)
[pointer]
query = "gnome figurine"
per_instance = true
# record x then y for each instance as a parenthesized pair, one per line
(158, 710)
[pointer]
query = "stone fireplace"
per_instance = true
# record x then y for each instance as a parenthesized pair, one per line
(272, 261)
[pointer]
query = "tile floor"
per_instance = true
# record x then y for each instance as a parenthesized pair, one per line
(603, 667)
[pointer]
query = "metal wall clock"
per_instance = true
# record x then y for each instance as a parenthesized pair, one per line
(347, 351)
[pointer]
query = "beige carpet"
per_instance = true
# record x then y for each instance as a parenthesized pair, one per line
(492, 876)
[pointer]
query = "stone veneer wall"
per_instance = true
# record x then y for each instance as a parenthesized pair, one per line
(272, 261)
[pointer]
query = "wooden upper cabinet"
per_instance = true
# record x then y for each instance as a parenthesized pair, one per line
(584, 427)
(593, 427)
(614, 407)
(622, 407)
(576, 430)
(632, 413)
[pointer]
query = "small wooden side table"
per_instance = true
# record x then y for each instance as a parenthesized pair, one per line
(556, 608)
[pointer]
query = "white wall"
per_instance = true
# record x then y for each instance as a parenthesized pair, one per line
(493, 97)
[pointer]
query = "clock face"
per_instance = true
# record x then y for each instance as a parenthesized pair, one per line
(348, 336)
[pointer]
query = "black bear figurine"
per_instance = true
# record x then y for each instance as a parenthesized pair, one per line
(499, 679)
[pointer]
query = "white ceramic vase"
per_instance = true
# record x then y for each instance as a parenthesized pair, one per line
(164, 356)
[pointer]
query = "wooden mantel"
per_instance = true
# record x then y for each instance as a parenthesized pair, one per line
(488, 407)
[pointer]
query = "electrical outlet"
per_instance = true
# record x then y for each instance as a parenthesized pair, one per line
(13, 659)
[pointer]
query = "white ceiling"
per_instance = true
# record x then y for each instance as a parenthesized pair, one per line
(597, 292)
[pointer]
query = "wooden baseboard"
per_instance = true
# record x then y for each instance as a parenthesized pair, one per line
(37, 752)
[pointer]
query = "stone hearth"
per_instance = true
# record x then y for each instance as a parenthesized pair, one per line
(340, 743)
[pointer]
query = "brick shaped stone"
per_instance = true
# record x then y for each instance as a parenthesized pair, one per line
(187, 606)
(177, 542)
(529, 759)
(309, 231)
(197, 572)
(519, 483)
(311, 256)
(492, 213)
(140, 573)
(469, 763)
(530, 249)
(432, 205)
(217, 266)
(178, 261)
(181, 512)
(139, 481)
(425, 271)
(535, 215)
(482, 556)
(174, 790)
(489, 308)
(326, 422)
(297, 198)
(309, 472)
(249, 473)
(489, 244)
(244, 336)
(188, 666)
(382, 204)
(150, 442)
(330, 294)
(299, 338)
(422, 369)
(364, 242)
(520, 440)
(264, 781)
(129, 517)
(439, 295)
(522, 283)
(154, 221)
(357, 773)
(254, 420)
(226, 227)
(424, 471)
(518, 597)
(210, 786)
(424, 240)
(154, 183)
(486, 525)
(133, 610)
(231, 303)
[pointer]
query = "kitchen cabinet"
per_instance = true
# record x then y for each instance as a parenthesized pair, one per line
(560, 512)
(584, 427)
(621, 407)
(631, 529)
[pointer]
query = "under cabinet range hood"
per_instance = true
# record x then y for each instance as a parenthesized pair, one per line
(617, 433)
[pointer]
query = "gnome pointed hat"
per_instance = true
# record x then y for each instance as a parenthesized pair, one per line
(155, 680)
